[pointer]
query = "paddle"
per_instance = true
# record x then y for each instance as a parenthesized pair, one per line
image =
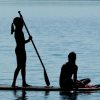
(45, 73)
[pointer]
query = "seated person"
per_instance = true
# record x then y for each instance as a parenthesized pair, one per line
(68, 76)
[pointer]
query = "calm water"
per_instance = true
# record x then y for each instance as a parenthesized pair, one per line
(57, 29)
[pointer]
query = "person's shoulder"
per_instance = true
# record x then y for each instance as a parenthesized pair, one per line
(76, 67)
(64, 65)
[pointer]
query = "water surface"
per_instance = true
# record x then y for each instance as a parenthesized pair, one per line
(57, 29)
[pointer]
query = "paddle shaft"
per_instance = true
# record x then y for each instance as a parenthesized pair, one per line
(45, 73)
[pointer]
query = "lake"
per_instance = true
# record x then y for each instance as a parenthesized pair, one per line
(57, 27)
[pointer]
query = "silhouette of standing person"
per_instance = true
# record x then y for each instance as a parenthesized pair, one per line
(68, 76)
(16, 28)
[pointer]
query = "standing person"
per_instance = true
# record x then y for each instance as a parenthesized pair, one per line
(68, 76)
(16, 28)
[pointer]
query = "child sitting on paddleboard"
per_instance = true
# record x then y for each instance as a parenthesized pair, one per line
(68, 76)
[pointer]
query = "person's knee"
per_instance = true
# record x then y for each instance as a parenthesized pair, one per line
(88, 80)
(18, 68)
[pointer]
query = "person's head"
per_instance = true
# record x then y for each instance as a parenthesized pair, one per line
(72, 57)
(17, 24)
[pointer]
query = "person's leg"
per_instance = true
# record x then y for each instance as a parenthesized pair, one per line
(15, 76)
(68, 84)
(97, 85)
(82, 83)
(85, 81)
(17, 52)
(23, 72)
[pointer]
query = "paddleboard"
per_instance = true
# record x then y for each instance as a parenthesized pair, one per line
(46, 88)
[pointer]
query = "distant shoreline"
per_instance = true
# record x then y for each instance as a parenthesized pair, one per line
(49, 2)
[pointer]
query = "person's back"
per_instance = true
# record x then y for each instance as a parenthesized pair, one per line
(68, 73)
(20, 39)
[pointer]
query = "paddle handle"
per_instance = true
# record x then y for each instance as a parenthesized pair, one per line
(45, 73)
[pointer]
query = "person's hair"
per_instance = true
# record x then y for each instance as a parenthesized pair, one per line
(72, 56)
(16, 22)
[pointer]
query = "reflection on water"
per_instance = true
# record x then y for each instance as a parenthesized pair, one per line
(47, 93)
(20, 97)
(68, 96)
(23, 95)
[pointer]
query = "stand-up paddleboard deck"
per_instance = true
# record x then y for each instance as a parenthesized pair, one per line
(45, 88)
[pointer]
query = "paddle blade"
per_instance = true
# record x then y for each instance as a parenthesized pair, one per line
(46, 78)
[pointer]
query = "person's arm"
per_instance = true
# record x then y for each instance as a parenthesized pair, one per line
(30, 38)
(75, 75)
(75, 78)
(62, 75)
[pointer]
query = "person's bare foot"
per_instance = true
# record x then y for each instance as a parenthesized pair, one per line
(26, 85)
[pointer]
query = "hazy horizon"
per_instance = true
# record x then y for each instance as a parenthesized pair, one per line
(46, 2)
